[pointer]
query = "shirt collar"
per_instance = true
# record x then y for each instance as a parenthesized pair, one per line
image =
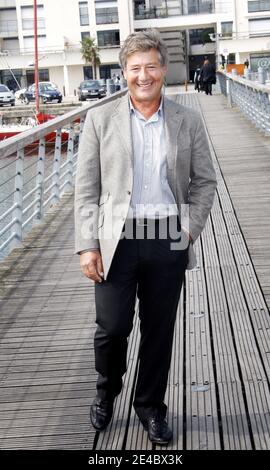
(159, 111)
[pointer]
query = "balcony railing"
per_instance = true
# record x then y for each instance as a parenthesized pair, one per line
(8, 27)
(28, 23)
(196, 7)
(257, 6)
(107, 18)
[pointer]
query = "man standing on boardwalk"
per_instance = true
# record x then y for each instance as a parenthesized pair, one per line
(142, 158)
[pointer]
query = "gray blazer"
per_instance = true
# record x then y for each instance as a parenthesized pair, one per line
(105, 174)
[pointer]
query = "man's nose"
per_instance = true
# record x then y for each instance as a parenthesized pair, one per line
(143, 73)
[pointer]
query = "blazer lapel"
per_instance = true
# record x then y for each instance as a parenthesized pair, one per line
(121, 117)
(173, 121)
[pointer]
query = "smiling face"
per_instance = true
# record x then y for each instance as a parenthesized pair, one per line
(145, 75)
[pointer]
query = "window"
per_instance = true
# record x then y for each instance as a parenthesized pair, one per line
(108, 38)
(11, 44)
(259, 27)
(8, 21)
(107, 15)
(227, 29)
(43, 76)
(200, 6)
(200, 36)
(28, 42)
(7, 78)
(28, 17)
(258, 5)
(87, 72)
(84, 16)
(85, 34)
(107, 71)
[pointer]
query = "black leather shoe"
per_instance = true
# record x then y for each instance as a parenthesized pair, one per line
(101, 413)
(158, 429)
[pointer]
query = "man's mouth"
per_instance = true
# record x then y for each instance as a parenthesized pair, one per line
(144, 85)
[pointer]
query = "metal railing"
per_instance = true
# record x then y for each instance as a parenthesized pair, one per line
(168, 9)
(252, 98)
(37, 167)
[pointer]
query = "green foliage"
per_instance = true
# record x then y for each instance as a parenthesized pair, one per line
(90, 53)
(205, 35)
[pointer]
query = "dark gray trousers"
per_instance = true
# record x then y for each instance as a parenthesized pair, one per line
(155, 272)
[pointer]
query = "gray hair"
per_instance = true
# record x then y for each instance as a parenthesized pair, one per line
(143, 41)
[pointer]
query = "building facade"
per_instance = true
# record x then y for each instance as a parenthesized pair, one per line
(235, 30)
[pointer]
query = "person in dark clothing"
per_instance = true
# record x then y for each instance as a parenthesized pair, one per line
(207, 77)
(197, 79)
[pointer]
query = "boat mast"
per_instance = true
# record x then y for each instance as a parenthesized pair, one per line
(36, 55)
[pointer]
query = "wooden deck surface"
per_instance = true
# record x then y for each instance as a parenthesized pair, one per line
(218, 391)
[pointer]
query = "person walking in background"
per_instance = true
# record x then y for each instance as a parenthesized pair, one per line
(141, 157)
(197, 79)
(207, 77)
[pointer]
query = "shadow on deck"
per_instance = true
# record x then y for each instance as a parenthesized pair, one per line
(218, 391)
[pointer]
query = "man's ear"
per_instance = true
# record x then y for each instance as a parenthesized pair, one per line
(124, 73)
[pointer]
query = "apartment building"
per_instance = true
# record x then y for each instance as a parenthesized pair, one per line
(233, 29)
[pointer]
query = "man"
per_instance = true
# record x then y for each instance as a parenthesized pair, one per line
(208, 76)
(141, 157)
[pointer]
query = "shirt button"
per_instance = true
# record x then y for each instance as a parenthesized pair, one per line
(129, 192)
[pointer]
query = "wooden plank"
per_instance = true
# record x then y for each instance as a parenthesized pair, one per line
(218, 398)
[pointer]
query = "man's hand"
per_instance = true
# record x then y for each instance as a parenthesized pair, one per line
(187, 234)
(91, 265)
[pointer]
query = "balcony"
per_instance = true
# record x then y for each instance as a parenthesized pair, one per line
(171, 8)
(28, 23)
(258, 6)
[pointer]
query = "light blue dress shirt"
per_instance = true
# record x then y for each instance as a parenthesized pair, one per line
(152, 196)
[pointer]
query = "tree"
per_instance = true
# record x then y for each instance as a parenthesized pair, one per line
(205, 35)
(90, 53)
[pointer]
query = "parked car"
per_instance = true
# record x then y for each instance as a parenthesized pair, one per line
(6, 96)
(48, 92)
(91, 89)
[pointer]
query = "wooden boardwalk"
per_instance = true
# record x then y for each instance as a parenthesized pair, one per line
(218, 392)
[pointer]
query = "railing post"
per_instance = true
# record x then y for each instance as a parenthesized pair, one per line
(261, 75)
(228, 89)
(70, 154)
(123, 83)
(110, 86)
(18, 200)
(56, 168)
(40, 181)
(82, 121)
